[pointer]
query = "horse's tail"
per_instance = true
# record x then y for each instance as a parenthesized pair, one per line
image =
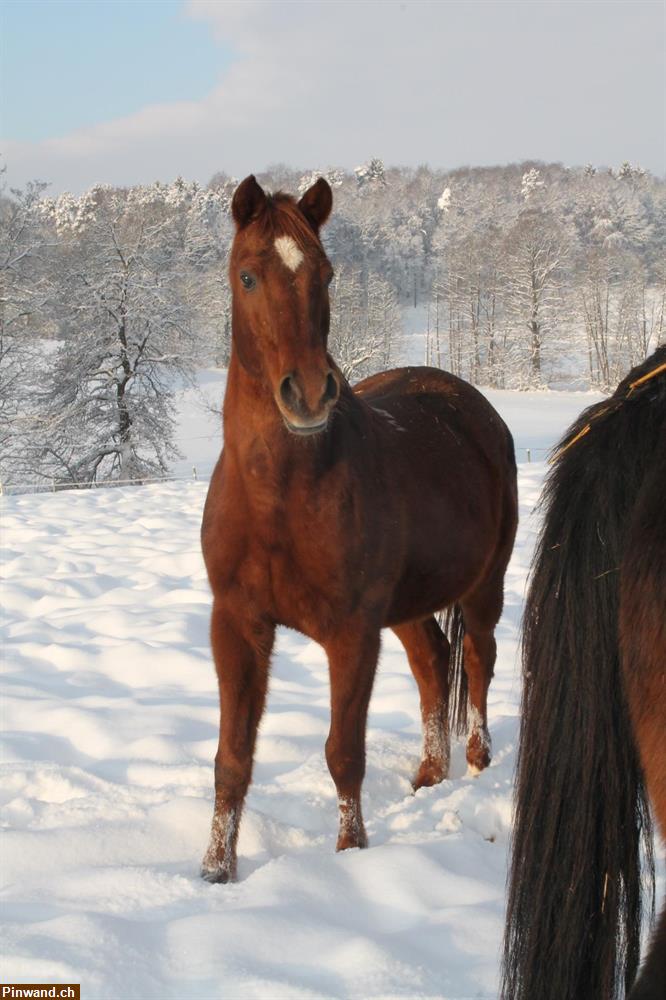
(574, 900)
(451, 619)
(454, 627)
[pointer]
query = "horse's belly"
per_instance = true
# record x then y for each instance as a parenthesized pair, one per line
(424, 589)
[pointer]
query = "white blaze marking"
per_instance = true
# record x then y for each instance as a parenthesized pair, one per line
(289, 252)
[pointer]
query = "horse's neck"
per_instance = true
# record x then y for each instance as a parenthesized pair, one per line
(254, 431)
(249, 408)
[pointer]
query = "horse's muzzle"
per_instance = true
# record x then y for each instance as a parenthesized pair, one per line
(305, 430)
(305, 406)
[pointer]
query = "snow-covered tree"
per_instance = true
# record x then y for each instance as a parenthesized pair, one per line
(23, 292)
(531, 183)
(529, 272)
(333, 175)
(365, 324)
(106, 411)
(444, 200)
(371, 173)
(536, 252)
(623, 311)
(630, 172)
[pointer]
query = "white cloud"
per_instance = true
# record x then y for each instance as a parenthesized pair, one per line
(334, 83)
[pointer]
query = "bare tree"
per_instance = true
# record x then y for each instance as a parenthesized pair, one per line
(365, 324)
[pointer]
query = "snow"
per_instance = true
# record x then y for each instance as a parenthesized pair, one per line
(110, 722)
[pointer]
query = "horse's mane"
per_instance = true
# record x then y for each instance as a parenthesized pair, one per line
(582, 815)
(646, 381)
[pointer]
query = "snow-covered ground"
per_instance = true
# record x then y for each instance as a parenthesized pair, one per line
(110, 720)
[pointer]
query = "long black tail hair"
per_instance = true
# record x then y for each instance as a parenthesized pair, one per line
(574, 900)
(453, 626)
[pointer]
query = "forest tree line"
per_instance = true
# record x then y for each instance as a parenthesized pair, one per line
(528, 275)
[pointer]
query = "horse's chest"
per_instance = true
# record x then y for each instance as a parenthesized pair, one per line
(302, 567)
(302, 598)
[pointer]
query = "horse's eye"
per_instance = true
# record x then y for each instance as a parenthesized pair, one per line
(248, 280)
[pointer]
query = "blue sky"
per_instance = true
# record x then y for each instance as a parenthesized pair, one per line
(126, 93)
(68, 64)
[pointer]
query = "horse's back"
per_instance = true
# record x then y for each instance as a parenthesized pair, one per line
(440, 411)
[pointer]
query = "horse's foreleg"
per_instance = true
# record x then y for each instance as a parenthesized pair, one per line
(352, 657)
(242, 651)
(428, 653)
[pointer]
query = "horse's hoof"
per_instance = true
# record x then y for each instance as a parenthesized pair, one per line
(476, 763)
(348, 841)
(478, 751)
(216, 876)
(428, 774)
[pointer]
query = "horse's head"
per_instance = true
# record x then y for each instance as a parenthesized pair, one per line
(279, 280)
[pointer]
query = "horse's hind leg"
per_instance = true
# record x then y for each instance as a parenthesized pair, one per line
(481, 612)
(428, 653)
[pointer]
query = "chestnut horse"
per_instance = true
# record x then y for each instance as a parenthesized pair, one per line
(593, 731)
(338, 512)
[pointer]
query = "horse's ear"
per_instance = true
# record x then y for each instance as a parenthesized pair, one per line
(316, 203)
(248, 201)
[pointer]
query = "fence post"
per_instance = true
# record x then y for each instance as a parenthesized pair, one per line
(529, 455)
(194, 472)
(53, 485)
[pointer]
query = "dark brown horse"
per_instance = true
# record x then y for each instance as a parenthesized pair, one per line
(593, 731)
(338, 512)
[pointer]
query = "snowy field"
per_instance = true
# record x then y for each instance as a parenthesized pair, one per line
(110, 721)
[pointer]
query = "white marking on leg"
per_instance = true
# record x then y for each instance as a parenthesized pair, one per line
(436, 738)
(290, 254)
(222, 846)
(478, 729)
(351, 821)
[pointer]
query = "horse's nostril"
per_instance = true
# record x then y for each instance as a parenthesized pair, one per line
(331, 388)
(287, 391)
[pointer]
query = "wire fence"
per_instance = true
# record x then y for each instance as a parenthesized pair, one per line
(199, 473)
(56, 486)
